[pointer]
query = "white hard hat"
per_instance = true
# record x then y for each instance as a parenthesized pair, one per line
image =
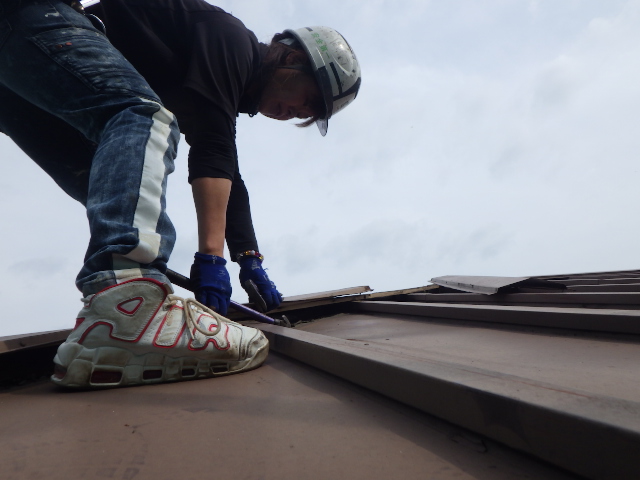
(334, 65)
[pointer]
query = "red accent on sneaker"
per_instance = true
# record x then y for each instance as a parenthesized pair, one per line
(98, 377)
(153, 315)
(59, 371)
(153, 280)
(211, 339)
(130, 306)
(152, 374)
(178, 337)
(78, 322)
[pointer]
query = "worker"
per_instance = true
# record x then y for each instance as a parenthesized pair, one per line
(97, 114)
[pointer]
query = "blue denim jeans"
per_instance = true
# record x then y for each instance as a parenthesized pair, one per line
(79, 109)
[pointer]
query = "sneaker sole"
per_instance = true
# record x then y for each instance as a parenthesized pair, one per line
(109, 367)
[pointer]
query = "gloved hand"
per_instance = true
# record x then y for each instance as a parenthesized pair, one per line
(211, 283)
(251, 269)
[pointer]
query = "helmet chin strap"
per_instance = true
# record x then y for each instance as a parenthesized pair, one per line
(300, 68)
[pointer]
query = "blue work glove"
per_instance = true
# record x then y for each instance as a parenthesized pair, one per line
(211, 283)
(251, 269)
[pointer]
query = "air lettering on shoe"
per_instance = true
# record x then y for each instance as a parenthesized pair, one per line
(131, 306)
(171, 328)
(134, 327)
(168, 336)
(199, 341)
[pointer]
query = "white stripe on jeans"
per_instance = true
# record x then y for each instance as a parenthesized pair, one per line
(149, 207)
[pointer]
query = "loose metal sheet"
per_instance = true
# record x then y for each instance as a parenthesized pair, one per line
(492, 285)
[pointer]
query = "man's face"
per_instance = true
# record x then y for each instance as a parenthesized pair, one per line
(289, 94)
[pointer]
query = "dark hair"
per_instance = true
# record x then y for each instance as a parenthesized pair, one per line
(281, 55)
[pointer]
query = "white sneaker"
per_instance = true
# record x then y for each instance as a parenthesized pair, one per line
(138, 332)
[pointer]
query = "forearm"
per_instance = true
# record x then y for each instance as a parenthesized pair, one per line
(240, 234)
(211, 196)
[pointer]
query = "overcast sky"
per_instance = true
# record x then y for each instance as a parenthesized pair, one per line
(489, 138)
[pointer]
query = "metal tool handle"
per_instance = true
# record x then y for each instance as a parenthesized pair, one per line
(184, 282)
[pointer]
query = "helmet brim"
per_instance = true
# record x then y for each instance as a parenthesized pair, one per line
(323, 125)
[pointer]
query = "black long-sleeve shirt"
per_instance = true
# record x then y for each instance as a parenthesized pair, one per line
(200, 60)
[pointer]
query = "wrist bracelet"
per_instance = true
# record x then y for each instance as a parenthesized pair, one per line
(250, 253)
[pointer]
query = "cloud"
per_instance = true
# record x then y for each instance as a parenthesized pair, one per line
(38, 267)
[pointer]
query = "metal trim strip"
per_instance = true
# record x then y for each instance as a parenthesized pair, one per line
(584, 319)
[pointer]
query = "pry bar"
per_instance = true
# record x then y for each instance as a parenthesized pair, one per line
(184, 282)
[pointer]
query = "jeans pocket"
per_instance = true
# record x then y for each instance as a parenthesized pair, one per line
(91, 58)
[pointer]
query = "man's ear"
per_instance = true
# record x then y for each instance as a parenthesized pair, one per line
(288, 60)
(295, 58)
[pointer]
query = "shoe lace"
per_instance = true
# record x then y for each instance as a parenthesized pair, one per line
(192, 307)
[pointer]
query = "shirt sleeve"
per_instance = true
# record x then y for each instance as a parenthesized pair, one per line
(210, 134)
(239, 233)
